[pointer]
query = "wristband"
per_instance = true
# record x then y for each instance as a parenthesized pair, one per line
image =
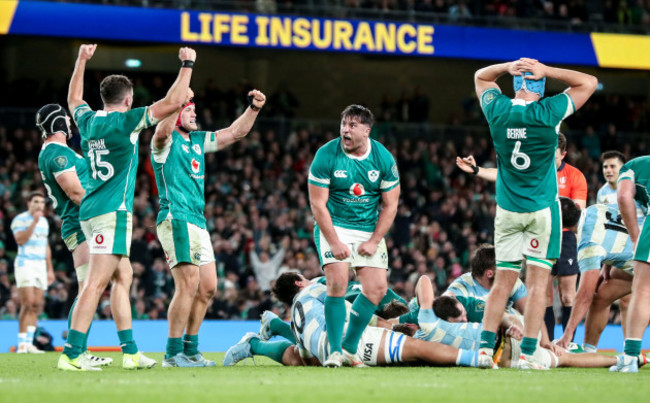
(188, 63)
(250, 103)
(475, 169)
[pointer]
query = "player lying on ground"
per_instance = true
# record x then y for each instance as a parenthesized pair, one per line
(376, 347)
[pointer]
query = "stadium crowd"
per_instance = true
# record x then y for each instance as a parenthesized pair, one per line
(258, 213)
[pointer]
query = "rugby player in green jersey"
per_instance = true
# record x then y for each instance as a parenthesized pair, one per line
(528, 223)
(64, 172)
(109, 140)
(348, 179)
(178, 157)
(633, 185)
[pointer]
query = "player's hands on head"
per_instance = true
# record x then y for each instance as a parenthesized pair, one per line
(186, 53)
(367, 248)
(466, 164)
(340, 250)
(537, 69)
(258, 98)
(86, 52)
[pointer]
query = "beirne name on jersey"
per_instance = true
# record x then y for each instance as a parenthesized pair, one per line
(109, 141)
(355, 183)
(56, 159)
(525, 138)
(180, 177)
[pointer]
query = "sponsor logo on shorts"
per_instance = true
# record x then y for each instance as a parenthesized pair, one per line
(384, 257)
(367, 352)
(570, 262)
(534, 243)
(357, 190)
(197, 256)
(373, 175)
(195, 166)
(329, 255)
(99, 239)
(340, 173)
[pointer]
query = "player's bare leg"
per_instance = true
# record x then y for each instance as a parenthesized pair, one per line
(567, 290)
(536, 282)
(586, 360)
(598, 314)
(495, 305)
(120, 297)
(202, 299)
(337, 275)
(186, 284)
(31, 300)
(638, 314)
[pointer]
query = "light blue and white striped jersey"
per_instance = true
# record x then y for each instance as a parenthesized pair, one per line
(473, 296)
(466, 335)
(603, 239)
(607, 195)
(35, 248)
(308, 321)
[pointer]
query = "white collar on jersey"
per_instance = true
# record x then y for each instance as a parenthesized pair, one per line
(362, 157)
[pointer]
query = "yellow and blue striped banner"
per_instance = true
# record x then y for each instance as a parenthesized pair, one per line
(97, 22)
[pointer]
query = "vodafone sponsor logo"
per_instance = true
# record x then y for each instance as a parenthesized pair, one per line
(357, 190)
(196, 165)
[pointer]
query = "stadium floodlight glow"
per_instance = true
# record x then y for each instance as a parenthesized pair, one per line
(133, 63)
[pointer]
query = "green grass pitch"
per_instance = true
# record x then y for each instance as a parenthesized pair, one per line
(34, 378)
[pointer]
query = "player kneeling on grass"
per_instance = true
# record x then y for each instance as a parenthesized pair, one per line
(376, 347)
(178, 156)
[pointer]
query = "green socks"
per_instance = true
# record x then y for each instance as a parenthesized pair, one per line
(191, 344)
(127, 344)
(272, 349)
(84, 346)
(335, 321)
(281, 328)
(632, 347)
(528, 345)
(488, 339)
(360, 315)
(174, 346)
(73, 345)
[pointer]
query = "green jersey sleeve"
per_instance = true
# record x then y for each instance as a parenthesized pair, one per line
(82, 115)
(60, 163)
(211, 144)
(138, 119)
(390, 178)
(320, 172)
(559, 107)
(491, 100)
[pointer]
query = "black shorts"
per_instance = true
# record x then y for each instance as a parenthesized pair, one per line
(567, 264)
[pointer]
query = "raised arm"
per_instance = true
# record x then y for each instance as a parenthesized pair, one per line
(487, 76)
(165, 127)
(581, 85)
(69, 182)
(178, 91)
(240, 127)
(76, 88)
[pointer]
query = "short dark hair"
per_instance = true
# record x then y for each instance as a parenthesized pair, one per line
(561, 142)
(113, 88)
(285, 287)
(362, 113)
(484, 258)
(33, 194)
(570, 212)
(607, 155)
(445, 307)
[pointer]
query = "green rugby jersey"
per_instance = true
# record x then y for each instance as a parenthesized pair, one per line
(525, 138)
(109, 141)
(638, 171)
(54, 160)
(355, 183)
(180, 177)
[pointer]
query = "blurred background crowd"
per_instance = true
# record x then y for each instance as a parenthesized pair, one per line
(257, 206)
